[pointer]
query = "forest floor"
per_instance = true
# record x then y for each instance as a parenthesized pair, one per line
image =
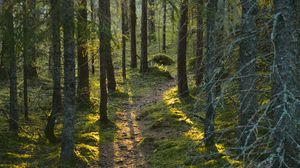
(125, 152)
(150, 127)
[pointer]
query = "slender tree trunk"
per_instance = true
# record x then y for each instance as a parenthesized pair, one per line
(56, 55)
(199, 48)
(183, 90)
(151, 21)
(124, 34)
(32, 24)
(83, 89)
(247, 71)
(164, 34)
(9, 53)
(105, 52)
(110, 74)
(67, 145)
(144, 45)
(26, 57)
(132, 7)
(210, 65)
(285, 87)
(93, 20)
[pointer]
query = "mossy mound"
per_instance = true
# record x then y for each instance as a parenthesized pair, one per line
(161, 72)
(162, 59)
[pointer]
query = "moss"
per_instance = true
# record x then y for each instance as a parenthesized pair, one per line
(162, 59)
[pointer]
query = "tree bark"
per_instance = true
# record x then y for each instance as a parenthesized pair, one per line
(144, 45)
(110, 74)
(56, 56)
(164, 34)
(199, 48)
(105, 52)
(132, 7)
(247, 69)
(210, 65)
(93, 20)
(83, 89)
(26, 57)
(67, 145)
(151, 21)
(9, 54)
(124, 34)
(285, 87)
(183, 90)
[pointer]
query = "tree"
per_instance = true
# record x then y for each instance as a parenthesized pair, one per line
(67, 145)
(285, 87)
(124, 36)
(183, 90)
(93, 20)
(199, 48)
(9, 54)
(83, 89)
(151, 21)
(247, 71)
(144, 44)
(104, 52)
(26, 49)
(56, 56)
(111, 84)
(31, 14)
(133, 55)
(164, 26)
(210, 65)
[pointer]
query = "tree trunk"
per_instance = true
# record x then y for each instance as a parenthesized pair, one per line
(9, 54)
(26, 57)
(199, 48)
(67, 145)
(133, 55)
(144, 45)
(248, 52)
(285, 87)
(56, 56)
(110, 74)
(32, 72)
(183, 90)
(105, 52)
(83, 89)
(124, 34)
(210, 65)
(93, 20)
(164, 34)
(151, 21)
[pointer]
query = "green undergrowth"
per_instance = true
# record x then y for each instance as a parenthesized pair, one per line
(174, 133)
(31, 149)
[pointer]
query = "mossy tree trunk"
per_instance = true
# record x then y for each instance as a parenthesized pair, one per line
(210, 67)
(67, 138)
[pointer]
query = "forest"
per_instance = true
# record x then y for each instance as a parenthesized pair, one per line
(150, 83)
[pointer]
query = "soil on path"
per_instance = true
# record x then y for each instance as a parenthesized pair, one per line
(125, 152)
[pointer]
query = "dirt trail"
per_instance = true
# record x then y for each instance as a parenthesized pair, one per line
(124, 151)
